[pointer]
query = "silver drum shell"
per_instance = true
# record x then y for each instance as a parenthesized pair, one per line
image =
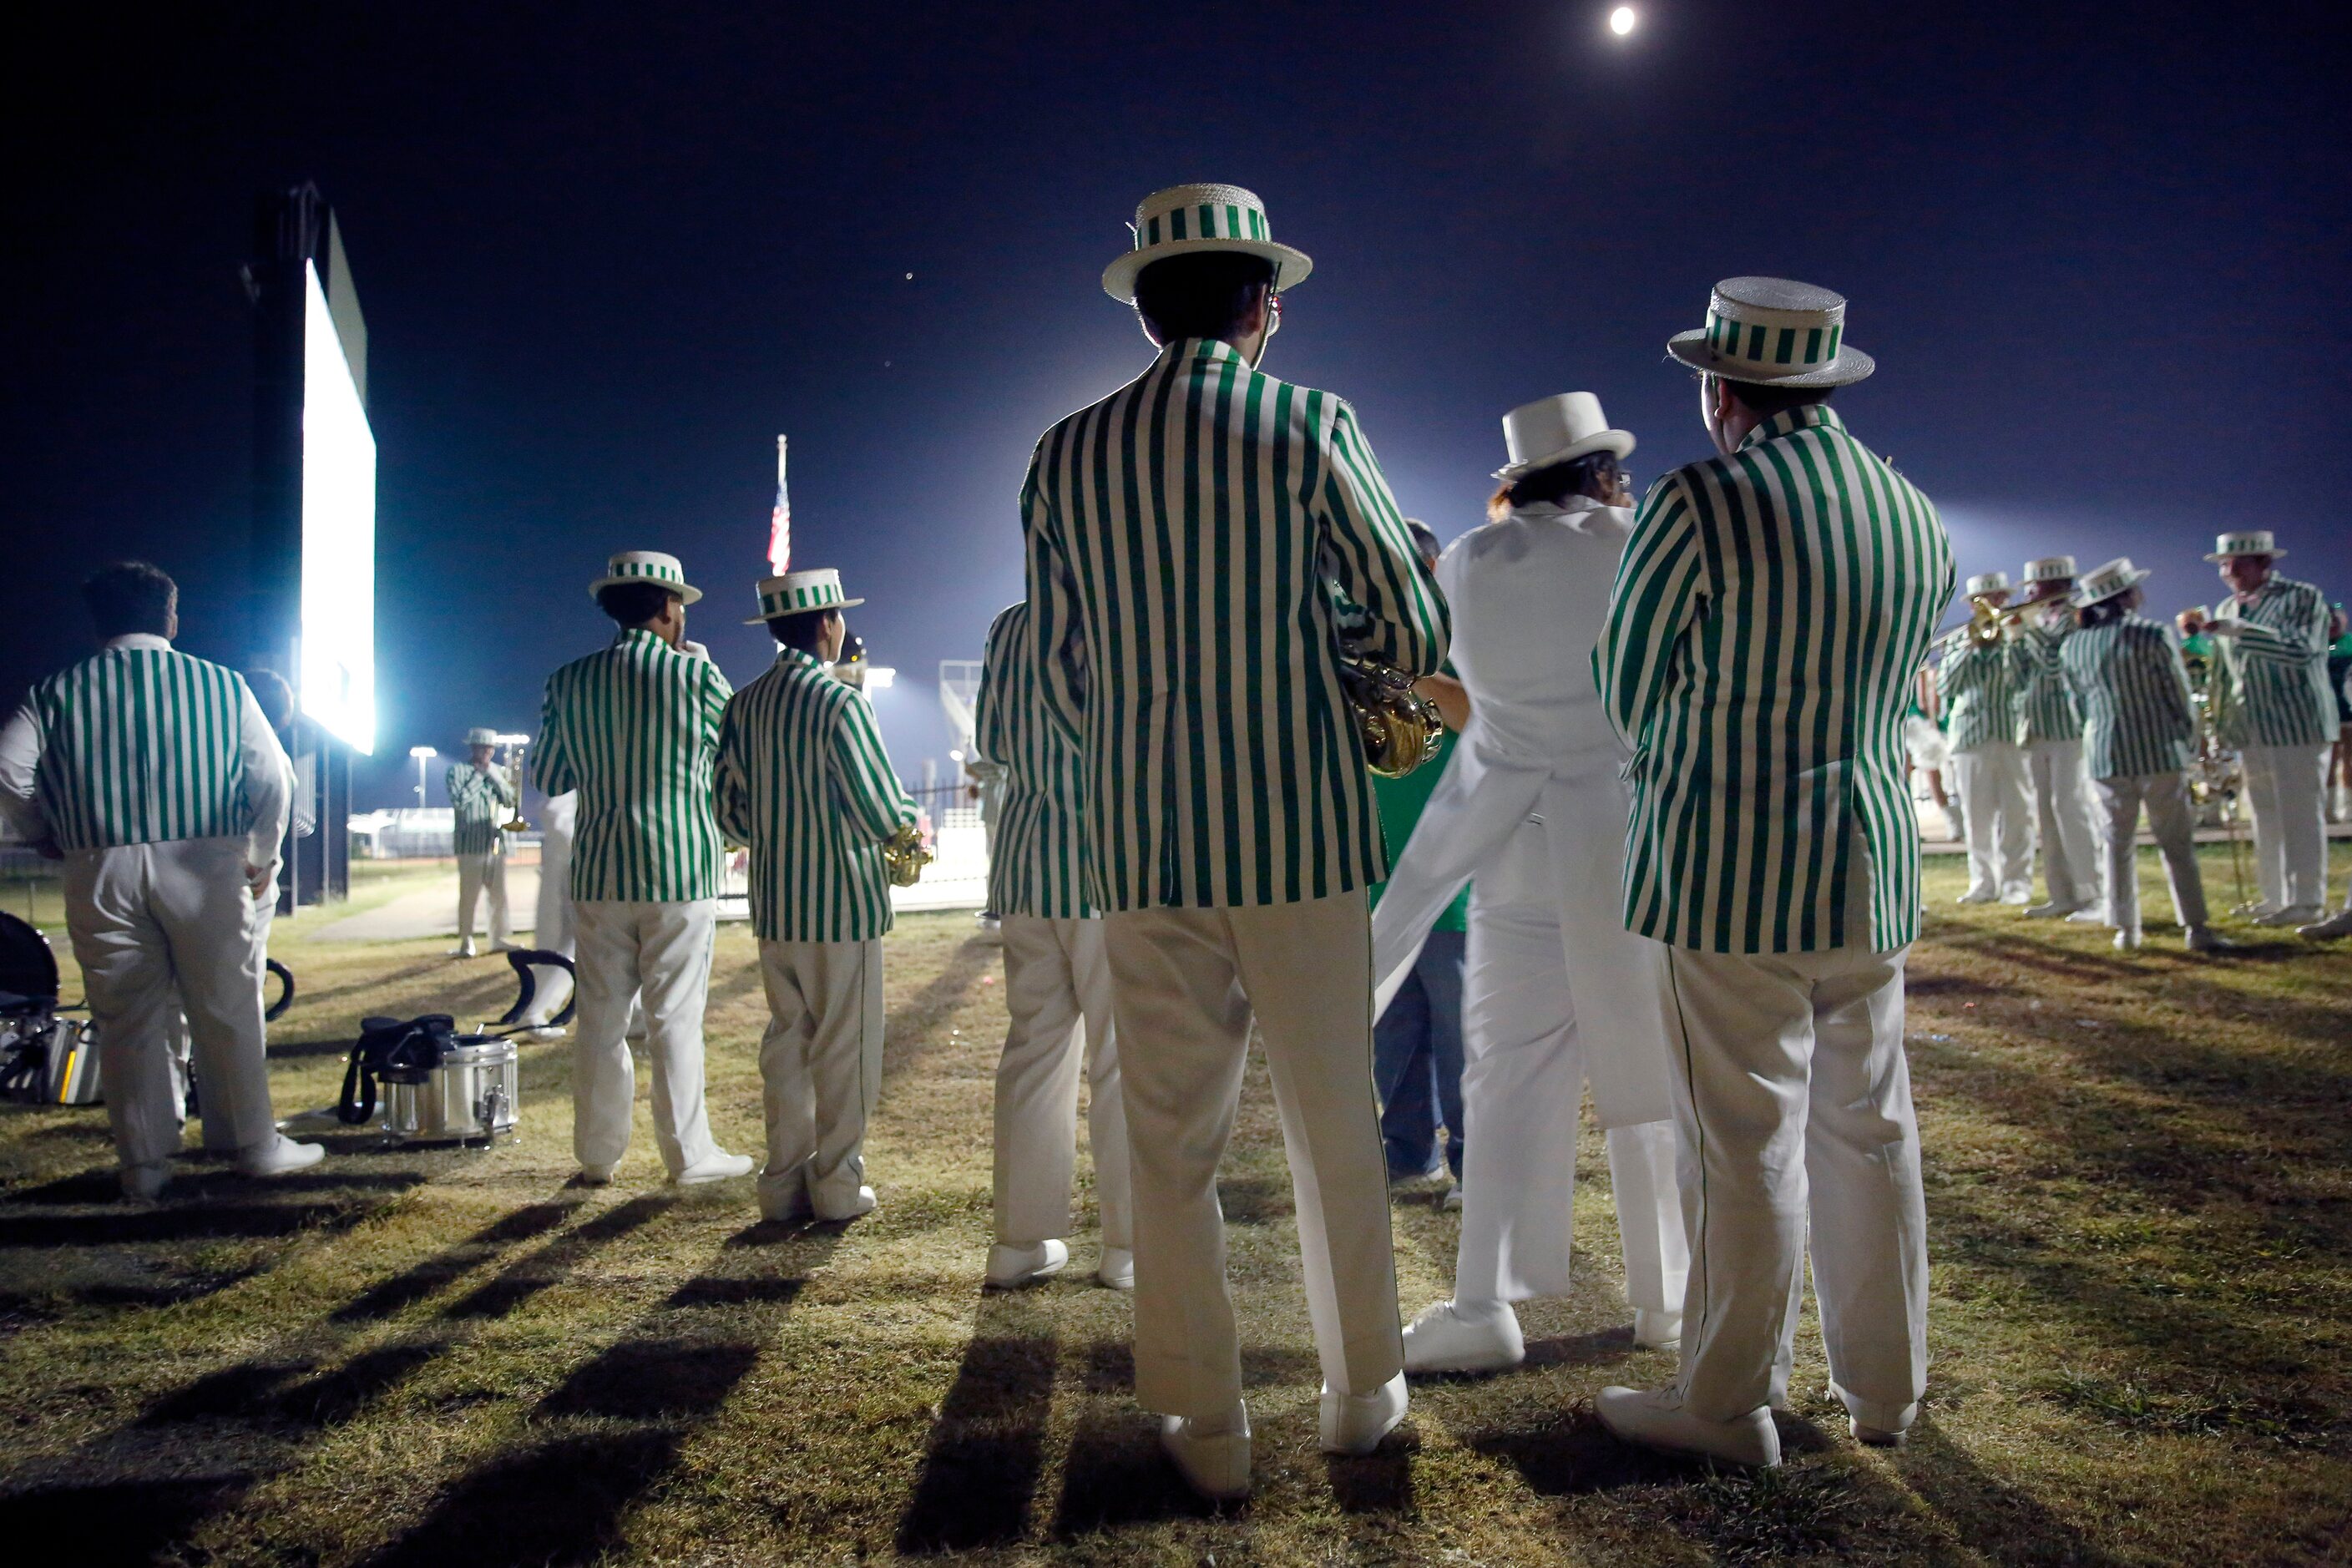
(472, 1094)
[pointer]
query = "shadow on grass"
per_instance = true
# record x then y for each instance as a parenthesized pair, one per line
(557, 1504)
(2005, 1524)
(115, 1521)
(987, 1445)
(1117, 1477)
(429, 1276)
(914, 1026)
(528, 1276)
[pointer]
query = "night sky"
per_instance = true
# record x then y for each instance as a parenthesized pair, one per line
(606, 253)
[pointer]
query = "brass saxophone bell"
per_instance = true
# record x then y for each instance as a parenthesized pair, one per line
(904, 856)
(1399, 729)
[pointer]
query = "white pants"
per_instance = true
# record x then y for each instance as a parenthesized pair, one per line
(1996, 813)
(1184, 985)
(157, 927)
(2069, 839)
(1793, 1109)
(820, 1071)
(2286, 792)
(2172, 818)
(1532, 1009)
(662, 950)
(476, 873)
(1058, 990)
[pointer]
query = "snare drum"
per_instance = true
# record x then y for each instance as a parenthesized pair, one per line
(472, 1094)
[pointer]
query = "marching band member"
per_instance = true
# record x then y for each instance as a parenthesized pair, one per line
(2137, 730)
(1558, 992)
(2054, 744)
(156, 778)
(804, 781)
(2281, 717)
(1057, 985)
(481, 799)
(635, 729)
(1771, 607)
(1984, 685)
(553, 929)
(1180, 532)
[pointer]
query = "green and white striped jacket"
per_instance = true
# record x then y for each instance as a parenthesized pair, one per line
(1037, 863)
(2277, 668)
(2137, 718)
(1180, 534)
(2050, 711)
(635, 729)
(1984, 694)
(1768, 614)
(480, 802)
(804, 780)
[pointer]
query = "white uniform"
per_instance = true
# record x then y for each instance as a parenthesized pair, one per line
(553, 930)
(1557, 992)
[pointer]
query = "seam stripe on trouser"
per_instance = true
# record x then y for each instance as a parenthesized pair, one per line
(1058, 993)
(661, 951)
(1184, 982)
(820, 1069)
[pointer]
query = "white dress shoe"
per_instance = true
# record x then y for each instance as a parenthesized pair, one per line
(2091, 914)
(463, 949)
(1451, 1203)
(2332, 927)
(718, 1165)
(2293, 915)
(2053, 911)
(1654, 1330)
(1893, 1436)
(862, 1204)
(2018, 895)
(1655, 1418)
(2126, 940)
(595, 1176)
(1355, 1423)
(543, 1032)
(1978, 896)
(278, 1156)
(1116, 1268)
(145, 1183)
(1445, 1337)
(1216, 1462)
(2201, 939)
(1010, 1268)
(2254, 909)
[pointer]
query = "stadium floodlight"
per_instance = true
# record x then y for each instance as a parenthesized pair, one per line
(879, 676)
(423, 754)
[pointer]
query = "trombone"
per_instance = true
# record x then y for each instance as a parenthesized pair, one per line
(1985, 623)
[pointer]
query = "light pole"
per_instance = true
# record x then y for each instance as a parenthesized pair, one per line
(421, 754)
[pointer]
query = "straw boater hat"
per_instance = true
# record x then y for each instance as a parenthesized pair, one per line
(1775, 333)
(2247, 541)
(646, 566)
(1557, 430)
(2107, 581)
(478, 736)
(800, 594)
(2051, 569)
(1184, 219)
(1985, 583)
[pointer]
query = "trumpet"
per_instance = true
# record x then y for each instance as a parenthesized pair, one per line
(1985, 623)
(521, 763)
(904, 856)
(1400, 728)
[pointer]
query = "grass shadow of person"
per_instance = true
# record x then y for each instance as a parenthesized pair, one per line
(987, 1444)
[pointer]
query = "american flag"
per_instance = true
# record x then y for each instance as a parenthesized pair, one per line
(780, 522)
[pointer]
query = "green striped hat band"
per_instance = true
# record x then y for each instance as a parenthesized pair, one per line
(799, 601)
(1754, 342)
(652, 571)
(1209, 220)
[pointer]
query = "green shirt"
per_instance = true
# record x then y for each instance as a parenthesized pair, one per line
(1401, 801)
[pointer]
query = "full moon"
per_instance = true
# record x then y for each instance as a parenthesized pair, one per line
(1620, 20)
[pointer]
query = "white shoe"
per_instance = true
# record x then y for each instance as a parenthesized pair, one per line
(1893, 1436)
(1355, 1423)
(2019, 896)
(1452, 1199)
(1657, 1331)
(145, 1183)
(2256, 910)
(2126, 940)
(2293, 915)
(543, 1032)
(1216, 1464)
(278, 1156)
(2054, 910)
(1655, 1419)
(2332, 927)
(463, 949)
(1116, 1268)
(2094, 914)
(2201, 939)
(595, 1176)
(1979, 896)
(718, 1165)
(1444, 1338)
(502, 946)
(1010, 1267)
(862, 1204)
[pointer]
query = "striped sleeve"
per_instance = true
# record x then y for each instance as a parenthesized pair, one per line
(867, 792)
(2301, 636)
(1661, 587)
(1372, 555)
(559, 774)
(730, 786)
(1055, 621)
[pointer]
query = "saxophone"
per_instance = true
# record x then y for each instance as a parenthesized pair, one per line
(1399, 729)
(904, 856)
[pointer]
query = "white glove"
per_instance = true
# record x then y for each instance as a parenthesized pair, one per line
(2226, 627)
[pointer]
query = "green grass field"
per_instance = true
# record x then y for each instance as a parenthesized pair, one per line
(2138, 1172)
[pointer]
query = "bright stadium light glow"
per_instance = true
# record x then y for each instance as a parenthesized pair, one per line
(878, 677)
(1620, 20)
(338, 660)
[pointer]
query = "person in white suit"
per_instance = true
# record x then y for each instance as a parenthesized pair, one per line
(1557, 993)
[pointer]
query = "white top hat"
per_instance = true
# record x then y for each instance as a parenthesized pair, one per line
(2107, 581)
(2050, 569)
(800, 594)
(2245, 541)
(1184, 219)
(1775, 331)
(1988, 582)
(1555, 429)
(646, 566)
(478, 736)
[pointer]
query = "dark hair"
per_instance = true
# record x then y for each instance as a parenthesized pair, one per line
(1765, 400)
(132, 596)
(276, 697)
(634, 604)
(1554, 483)
(1424, 538)
(805, 631)
(1203, 295)
(2102, 612)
